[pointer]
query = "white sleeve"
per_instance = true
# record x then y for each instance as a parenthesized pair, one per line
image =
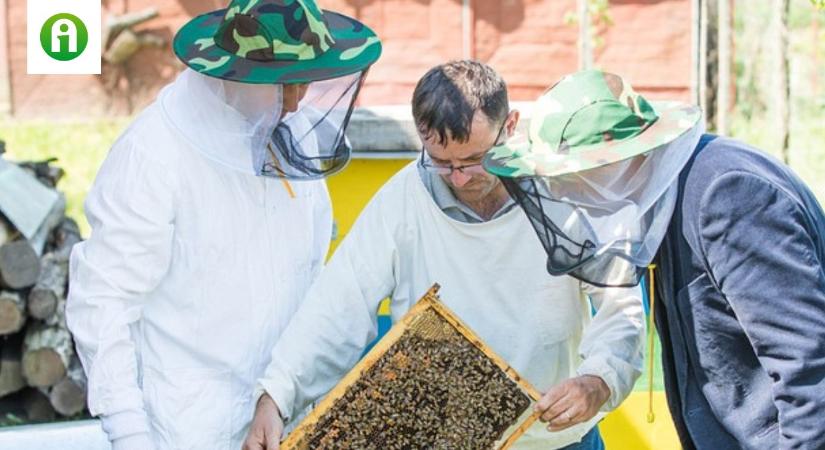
(612, 344)
(338, 317)
(130, 210)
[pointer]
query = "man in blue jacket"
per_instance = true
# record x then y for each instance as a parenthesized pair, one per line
(612, 182)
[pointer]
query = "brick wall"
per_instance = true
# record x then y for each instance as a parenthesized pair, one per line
(527, 41)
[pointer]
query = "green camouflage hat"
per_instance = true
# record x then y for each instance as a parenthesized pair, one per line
(589, 119)
(276, 41)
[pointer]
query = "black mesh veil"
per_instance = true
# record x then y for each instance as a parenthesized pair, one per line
(568, 239)
(310, 143)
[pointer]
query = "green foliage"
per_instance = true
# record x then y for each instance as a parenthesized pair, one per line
(642, 384)
(753, 118)
(807, 136)
(78, 146)
(599, 13)
(11, 420)
(804, 12)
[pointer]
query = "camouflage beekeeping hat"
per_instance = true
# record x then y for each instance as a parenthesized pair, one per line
(276, 41)
(586, 120)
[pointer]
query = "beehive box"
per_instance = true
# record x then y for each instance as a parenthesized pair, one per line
(430, 383)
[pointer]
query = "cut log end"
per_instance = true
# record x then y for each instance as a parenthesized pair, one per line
(42, 303)
(11, 317)
(68, 397)
(50, 287)
(19, 265)
(12, 312)
(43, 367)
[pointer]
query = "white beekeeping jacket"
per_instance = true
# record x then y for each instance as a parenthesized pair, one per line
(193, 269)
(492, 275)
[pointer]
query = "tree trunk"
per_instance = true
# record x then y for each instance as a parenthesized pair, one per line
(816, 50)
(115, 24)
(782, 86)
(68, 396)
(11, 366)
(585, 36)
(123, 47)
(12, 312)
(19, 265)
(50, 287)
(723, 102)
(709, 60)
(47, 352)
(752, 93)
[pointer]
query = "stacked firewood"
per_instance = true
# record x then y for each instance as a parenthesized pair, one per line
(40, 374)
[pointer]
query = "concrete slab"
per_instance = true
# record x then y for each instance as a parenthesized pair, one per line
(76, 435)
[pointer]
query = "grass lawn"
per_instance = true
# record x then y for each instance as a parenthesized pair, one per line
(79, 146)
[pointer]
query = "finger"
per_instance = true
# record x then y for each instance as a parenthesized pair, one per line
(574, 415)
(256, 436)
(584, 413)
(588, 406)
(557, 409)
(572, 412)
(560, 427)
(273, 438)
(560, 422)
(250, 444)
(551, 397)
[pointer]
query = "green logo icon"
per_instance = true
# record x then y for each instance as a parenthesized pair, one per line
(64, 37)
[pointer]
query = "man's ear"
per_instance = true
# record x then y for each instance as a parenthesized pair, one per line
(512, 122)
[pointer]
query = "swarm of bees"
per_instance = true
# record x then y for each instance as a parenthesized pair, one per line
(429, 384)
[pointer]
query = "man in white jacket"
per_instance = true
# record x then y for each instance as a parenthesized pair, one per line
(444, 219)
(199, 254)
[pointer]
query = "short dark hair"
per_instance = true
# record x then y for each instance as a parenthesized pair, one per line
(446, 99)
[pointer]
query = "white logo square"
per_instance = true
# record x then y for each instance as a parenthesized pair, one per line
(63, 37)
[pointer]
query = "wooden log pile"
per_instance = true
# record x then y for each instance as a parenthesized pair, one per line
(41, 377)
(121, 41)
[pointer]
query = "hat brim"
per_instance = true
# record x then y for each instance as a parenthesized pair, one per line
(527, 159)
(356, 47)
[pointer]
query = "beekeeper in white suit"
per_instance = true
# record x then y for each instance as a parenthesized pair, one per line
(444, 219)
(210, 219)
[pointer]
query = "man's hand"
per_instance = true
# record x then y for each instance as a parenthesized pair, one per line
(572, 401)
(267, 426)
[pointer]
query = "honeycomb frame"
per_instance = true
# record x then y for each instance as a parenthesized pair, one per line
(419, 319)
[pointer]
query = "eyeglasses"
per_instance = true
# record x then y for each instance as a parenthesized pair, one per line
(430, 166)
(468, 169)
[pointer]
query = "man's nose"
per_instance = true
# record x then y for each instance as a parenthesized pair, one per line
(459, 178)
